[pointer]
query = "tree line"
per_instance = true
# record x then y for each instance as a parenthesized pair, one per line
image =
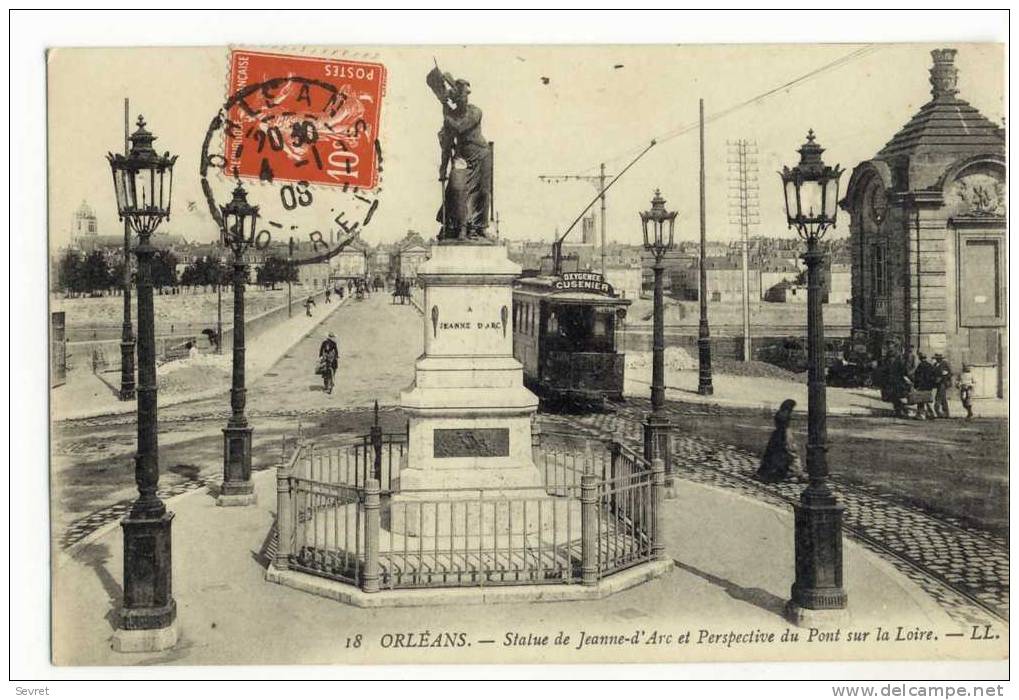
(94, 274)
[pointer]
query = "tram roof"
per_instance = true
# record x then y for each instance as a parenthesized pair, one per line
(544, 287)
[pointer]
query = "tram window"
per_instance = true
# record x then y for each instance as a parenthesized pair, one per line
(553, 323)
(516, 314)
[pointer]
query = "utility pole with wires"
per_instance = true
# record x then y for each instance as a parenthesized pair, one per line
(599, 182)
(744, 212)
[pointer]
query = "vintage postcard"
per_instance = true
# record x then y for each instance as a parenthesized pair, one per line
(528, 354)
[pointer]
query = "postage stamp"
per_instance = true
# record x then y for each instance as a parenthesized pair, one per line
(311, 119)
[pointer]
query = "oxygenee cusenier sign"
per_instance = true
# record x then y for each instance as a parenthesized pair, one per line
(586, 282)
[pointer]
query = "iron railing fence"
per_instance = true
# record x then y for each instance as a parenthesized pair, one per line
(354, 463)
(474, 537)
(596, 514)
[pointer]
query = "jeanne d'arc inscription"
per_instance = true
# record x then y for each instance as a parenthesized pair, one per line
(476, 442)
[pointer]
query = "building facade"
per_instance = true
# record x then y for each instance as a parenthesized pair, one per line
(351, 262)
(928, 236)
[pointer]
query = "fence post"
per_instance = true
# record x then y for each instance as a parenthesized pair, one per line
(657, 498)
(376, 440)
(588, 529)
(284, 517)
(370, 578)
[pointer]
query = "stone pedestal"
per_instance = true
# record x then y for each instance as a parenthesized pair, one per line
(468, 411)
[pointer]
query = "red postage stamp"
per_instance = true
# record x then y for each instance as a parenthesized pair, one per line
(304, 119)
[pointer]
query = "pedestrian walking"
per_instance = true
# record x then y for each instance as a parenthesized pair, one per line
(966, 390)
(328, 293)
(943, 374)
(328, 361)
(925, 380)
(911, 359)
(900, 386)
(309, 304)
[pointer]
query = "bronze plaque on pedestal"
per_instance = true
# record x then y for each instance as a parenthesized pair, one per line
(477, 442)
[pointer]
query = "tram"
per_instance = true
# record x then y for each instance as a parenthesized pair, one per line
(564, 334)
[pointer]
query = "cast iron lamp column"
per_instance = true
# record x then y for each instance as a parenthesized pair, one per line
(811, 197)
(656, 423)
(143, 182)
(127, 386)
(238, 220)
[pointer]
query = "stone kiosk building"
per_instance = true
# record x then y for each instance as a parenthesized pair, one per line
(928, 245)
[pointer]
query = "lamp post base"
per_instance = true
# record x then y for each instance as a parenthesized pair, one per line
(148, 618)
(237, 488)
(657, 444)
(818, 619)
(127, 385)
(817, 593)
(142, 640)
(235, 499)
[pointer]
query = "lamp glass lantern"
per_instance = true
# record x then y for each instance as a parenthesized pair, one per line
(142, 181)
(811, 191)
(239, 220)
(654, 220)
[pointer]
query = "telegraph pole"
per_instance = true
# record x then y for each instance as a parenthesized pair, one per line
(744, 206)
(705, 387)
(599, 182)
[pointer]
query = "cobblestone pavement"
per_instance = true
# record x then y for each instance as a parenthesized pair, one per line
(964, 570)
(83, 527)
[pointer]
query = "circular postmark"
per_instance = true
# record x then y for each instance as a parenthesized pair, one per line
(310, 150)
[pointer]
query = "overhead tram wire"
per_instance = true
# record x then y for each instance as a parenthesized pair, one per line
(679, 131)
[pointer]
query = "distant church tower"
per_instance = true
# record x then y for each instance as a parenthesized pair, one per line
(84, 227)
(588, 229)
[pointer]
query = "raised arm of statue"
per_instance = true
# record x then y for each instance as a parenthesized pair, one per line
(438, 83)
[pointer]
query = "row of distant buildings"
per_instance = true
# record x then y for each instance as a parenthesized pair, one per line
(357, 260)
(775, 272)
(774, 268)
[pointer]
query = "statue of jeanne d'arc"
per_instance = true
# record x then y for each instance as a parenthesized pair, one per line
(466, 167)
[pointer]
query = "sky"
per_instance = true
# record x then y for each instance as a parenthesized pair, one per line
(549, 109)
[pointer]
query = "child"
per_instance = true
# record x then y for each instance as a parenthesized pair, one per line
(966, 390)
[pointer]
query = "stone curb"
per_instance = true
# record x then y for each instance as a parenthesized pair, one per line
(409, 598)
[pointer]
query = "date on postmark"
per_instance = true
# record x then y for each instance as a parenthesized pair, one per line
(323, 129)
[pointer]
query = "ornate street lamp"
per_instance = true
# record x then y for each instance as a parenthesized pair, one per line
(238, 219)
(143, 183)
(659, 230)
(811, 197)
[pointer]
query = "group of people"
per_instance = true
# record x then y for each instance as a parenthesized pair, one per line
(401, 290)
(912, 379)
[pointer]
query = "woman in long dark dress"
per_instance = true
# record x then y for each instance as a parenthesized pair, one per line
(781, 458)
